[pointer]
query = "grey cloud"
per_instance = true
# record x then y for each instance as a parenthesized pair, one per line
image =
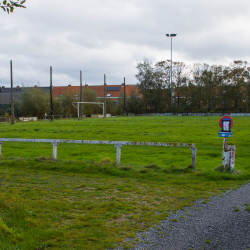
(99, 37)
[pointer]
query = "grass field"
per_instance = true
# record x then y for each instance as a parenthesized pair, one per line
(84, 200)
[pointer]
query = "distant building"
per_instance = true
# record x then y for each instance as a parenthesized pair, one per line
(5, 94)
(112, 91)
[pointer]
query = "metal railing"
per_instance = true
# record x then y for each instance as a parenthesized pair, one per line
(117, 144)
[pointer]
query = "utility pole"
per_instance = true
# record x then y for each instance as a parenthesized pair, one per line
(104, 96)
(51, 98)
(124, 112)
(81, 93)
(11, 96)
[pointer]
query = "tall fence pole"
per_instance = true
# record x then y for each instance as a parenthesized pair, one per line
(12, 97)
(51, 97)
(104, 96)
(81, 93)
(124, 111)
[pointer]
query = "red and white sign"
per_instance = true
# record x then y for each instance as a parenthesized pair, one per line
(226, 118)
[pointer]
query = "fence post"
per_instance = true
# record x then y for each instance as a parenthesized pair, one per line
(1, 147)
(193, 156)
(55, 144)
(118, 153)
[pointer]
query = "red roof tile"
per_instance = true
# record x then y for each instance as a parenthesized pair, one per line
(98, 89)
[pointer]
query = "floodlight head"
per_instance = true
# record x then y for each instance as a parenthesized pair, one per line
(167, 34)
(173, 34)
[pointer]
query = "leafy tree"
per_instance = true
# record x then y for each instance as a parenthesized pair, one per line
(90, 95)
(161, 91)
(238, 76)
(247, 90)
(153, 83)
(69, 95)
(34, 102)
(9, 5)
(134, 104)
(179, 86)
(146, 82)
(119, 109)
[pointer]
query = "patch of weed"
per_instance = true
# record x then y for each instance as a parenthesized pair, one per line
(236, 209)
(227, 169)
(153, 166)
(106, 160)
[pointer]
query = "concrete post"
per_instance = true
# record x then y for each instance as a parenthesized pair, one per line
(227, 157)
(118, 153)
(193, 157)
(55, 144)
(233, 147)
(1, 147)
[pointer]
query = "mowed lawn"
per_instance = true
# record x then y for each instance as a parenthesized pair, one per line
(83, 200)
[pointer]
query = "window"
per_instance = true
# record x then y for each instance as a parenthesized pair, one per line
(113, 88)
(108, 95)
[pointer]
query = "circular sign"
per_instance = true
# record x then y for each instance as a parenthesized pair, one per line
(226, 118)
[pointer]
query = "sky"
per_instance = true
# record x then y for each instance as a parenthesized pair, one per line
(109, 37)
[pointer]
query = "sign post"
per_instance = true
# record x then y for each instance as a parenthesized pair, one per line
(228, 152)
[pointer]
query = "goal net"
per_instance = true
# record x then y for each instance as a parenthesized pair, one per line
(101, 104)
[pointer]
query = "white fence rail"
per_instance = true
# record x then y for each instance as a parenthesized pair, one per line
(117, 144)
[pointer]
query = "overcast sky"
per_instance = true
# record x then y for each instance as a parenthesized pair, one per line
(109, 36)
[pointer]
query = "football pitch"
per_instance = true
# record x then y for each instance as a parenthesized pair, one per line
(83, 200)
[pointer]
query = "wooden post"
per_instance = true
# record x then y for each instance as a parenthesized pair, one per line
(124, 112)
(51, 97)
(81, 93)
(104, 96)
(12, 97)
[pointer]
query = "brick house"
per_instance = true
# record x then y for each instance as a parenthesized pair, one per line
(112, 91)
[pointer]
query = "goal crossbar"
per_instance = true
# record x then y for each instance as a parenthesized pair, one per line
(98, 103)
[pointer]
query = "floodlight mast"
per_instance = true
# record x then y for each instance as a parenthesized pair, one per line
(171, 35)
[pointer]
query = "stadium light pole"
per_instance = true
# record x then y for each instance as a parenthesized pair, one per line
(171, 35)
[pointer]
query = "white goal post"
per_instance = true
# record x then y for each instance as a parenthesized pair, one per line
(98, 103)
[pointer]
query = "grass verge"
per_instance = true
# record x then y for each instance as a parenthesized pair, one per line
(47, 204)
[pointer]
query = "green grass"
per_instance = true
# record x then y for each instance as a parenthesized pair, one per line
(84, 200)
(199, 130)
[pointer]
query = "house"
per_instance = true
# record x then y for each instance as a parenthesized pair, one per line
(5, 94)
(113, 92)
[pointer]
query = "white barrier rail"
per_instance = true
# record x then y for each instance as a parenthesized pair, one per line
(117, 144)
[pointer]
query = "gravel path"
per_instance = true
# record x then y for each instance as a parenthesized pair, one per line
(214, 225)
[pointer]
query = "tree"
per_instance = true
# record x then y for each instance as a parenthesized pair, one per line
(90, 95)
(134, 104)
(236, 76)
(120, 104)
(180, 86)
(69, 96)
(9, 5)
(146, 82)
(34, 102)
(162, 87)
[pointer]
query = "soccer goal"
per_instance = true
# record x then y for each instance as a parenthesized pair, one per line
(78, 110)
